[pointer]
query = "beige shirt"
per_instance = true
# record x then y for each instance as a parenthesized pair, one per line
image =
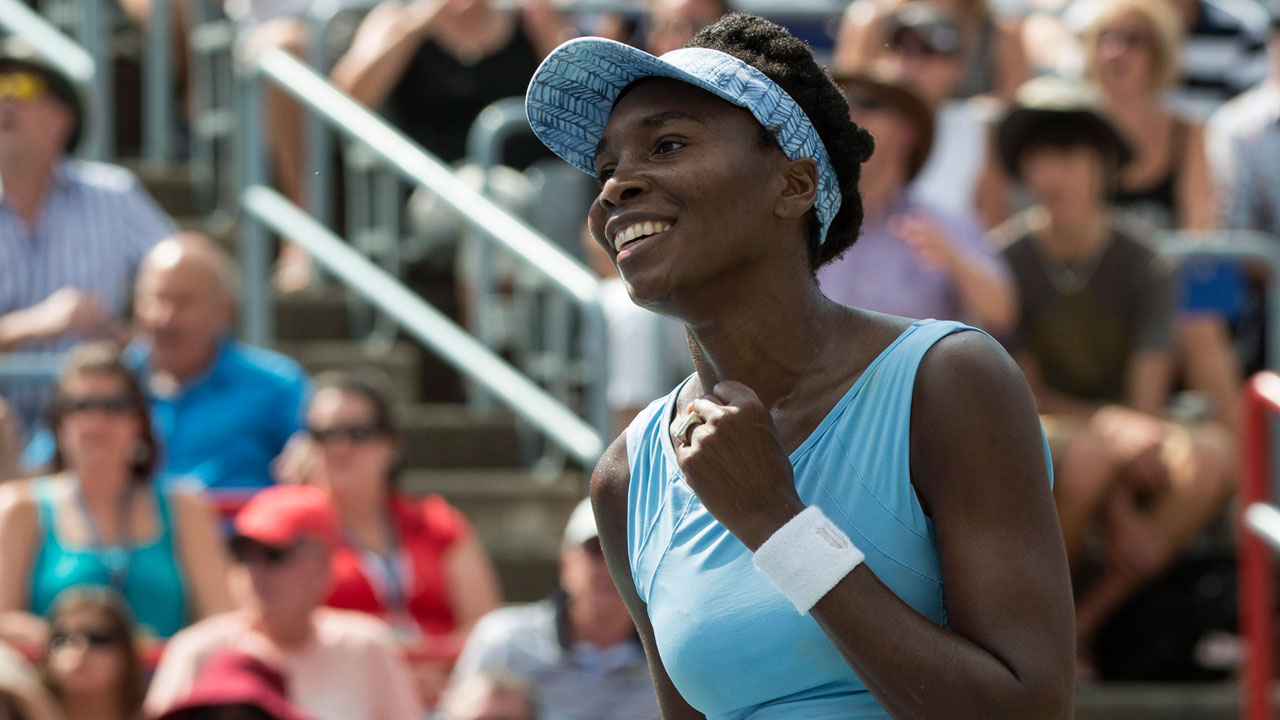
(350, 670)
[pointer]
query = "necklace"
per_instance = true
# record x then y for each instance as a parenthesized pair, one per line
(1069, 279)
(114, 556)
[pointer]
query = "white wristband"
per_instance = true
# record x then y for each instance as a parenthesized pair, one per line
(807, 557)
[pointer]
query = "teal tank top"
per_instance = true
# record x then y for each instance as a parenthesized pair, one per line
(732, 643)
(153, 584)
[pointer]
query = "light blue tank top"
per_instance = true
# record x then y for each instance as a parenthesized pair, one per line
(153, 586)
(732, 643)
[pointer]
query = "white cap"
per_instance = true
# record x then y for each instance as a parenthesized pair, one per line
(581, 526)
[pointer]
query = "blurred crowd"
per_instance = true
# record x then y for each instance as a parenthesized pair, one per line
(193, 527)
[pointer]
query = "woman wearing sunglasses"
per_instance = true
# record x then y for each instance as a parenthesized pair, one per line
(415, 563)
(91, 665)
(100, 519)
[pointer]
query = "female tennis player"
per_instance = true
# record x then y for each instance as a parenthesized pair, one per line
(840, 514)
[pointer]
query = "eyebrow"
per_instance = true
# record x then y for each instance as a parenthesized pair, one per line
(656, 120)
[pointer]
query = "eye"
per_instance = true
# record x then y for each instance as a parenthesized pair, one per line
(604, 173)
(667, 145)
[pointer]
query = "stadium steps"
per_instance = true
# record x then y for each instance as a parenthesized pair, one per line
(1158, 701)
(471, 458)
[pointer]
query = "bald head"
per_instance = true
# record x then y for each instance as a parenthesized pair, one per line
(201, 254)
(184, 303)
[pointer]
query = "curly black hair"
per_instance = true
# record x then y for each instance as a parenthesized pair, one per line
(789, 62)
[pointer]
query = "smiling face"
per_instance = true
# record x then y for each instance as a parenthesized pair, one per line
(691, 192)
(99, 423)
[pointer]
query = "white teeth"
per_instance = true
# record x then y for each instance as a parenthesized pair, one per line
(637, 231)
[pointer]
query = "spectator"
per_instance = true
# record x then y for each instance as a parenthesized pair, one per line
(1131, 51)
(236, 686)
(672, 23)
(581, 637)
(994, 63)
(1095, 340)
(414, 563)
(10, 441)
(430, 66)
(341, 665)
(100, 518)
(912, 260)
(91, 665)
(71, 233)
(22, 696)
(1244, 141)
(490, 695)
(961, 176)
(223, 409)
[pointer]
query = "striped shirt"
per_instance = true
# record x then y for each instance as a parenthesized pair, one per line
(1223, 55)
(570, 681)
(1243, 142)
(96, 225)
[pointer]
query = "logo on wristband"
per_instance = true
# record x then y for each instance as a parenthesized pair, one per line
(834, 537)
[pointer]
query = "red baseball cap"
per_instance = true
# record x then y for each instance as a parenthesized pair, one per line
(237, 678)
(284, 514)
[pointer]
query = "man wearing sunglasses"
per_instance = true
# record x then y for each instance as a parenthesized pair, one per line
(341, 665)
(72, 233)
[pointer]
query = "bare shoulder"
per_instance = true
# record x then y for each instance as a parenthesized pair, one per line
(967, 365)
(610, 482)
(17, 502)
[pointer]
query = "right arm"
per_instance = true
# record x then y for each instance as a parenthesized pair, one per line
(609, 485)
(382, 49)
(19, 533)
(67, 310)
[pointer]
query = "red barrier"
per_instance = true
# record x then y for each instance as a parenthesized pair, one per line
(1256, 573)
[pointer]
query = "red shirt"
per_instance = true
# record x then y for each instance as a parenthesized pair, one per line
(426, 530)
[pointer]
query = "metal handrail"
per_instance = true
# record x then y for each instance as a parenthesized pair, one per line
(418, 167)
(408, 160)
(434, 329)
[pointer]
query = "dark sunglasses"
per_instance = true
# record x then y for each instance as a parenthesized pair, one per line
(87, 638)
(251, 552)
(1128, 39)
(858, 101)
(109, 404)
(354, 433)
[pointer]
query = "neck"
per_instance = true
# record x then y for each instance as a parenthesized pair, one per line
(102, 483)
(26, 184)
(287, 630)
(1073, 236)
(587, 629)
(365, 515)
(92, 707)
(880, 186)
(1132, 106)
(170, 375)
(768, 337)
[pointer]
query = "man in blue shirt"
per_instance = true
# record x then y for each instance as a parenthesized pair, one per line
(222, 409)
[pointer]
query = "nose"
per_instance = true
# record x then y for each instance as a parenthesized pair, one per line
(622, 185)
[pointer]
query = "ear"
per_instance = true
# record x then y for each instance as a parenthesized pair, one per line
(801, 189)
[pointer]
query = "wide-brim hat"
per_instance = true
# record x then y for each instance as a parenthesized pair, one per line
(1048, 104)
(237, 678)
(14, 53)
(890, 88)
(573, 92)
